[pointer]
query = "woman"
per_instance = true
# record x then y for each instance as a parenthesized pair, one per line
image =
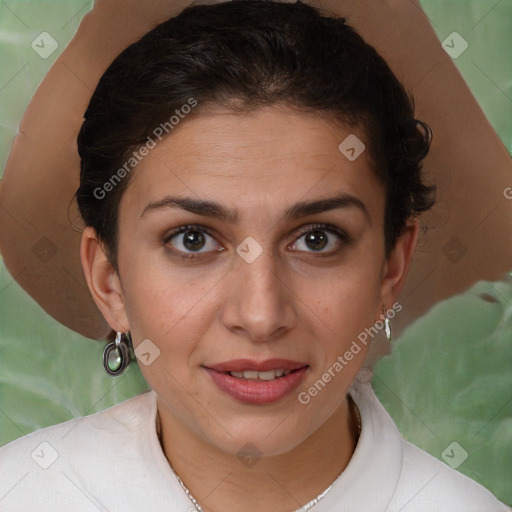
(251, 184)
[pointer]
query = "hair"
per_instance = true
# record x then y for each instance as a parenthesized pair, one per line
(244, 55)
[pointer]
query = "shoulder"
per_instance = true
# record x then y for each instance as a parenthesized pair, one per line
(402, 476)
(426, 483)
(58, 463)
(126, 414)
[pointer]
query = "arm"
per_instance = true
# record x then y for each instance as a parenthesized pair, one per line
(468, 162)
(42, 172)
(39, 246)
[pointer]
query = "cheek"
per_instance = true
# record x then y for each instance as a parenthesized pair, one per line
(161, 298)
(344, 308)
(166, 314)
(346, 302)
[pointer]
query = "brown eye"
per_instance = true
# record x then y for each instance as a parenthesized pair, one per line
(193, 240)
(316, 240)
(317, 237)
(189, 241)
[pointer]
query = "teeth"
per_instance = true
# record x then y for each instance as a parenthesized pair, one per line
(270, 375)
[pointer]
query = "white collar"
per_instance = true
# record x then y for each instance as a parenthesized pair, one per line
(372, 475)
(368, 482)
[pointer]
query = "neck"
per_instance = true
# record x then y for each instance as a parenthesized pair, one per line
(221, 482)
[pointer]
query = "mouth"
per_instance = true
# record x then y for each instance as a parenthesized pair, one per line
(257, 383)
(267, 376)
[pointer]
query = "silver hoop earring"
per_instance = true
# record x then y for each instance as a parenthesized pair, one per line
(116, 356)
(387, 325)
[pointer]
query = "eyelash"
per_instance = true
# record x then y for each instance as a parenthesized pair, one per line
(345, 238)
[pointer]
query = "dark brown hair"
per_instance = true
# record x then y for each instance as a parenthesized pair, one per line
(246, 54)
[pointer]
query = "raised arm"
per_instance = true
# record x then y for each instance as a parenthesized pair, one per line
(38, 243)
(469, 237)
(42, 172)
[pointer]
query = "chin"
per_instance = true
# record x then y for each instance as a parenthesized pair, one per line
(259, 437)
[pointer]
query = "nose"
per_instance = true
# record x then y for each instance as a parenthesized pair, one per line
(260, 304)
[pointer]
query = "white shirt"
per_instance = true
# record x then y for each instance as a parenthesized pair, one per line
(112, 461)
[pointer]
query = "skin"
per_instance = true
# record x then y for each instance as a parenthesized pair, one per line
(291, 302)
(43, 159)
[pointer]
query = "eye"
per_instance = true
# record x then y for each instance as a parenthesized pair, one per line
(319, 236)
(192, 238)
(188, 242)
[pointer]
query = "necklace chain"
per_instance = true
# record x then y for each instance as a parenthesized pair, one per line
(301, 509)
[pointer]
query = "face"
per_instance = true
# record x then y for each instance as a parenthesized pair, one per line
(230, 259)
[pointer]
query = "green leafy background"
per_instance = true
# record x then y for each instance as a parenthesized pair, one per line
(449, 378)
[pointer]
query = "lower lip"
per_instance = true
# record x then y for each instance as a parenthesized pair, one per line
(257, 392)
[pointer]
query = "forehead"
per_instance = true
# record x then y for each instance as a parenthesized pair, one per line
(260, 158)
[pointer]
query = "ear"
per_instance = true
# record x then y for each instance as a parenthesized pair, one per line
(397, 265)
(103, 281)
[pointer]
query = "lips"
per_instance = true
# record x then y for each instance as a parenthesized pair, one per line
(258, 382)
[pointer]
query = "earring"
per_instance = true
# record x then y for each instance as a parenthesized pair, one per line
(116, 356)
(387, 325)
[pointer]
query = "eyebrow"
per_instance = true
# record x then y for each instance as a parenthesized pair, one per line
(216, 210)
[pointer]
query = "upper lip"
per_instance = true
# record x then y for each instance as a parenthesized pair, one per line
(240, 365)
